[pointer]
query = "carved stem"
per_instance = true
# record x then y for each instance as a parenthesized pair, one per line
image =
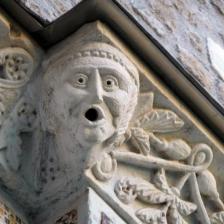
(182, 181)
(155, 163)
(196, 196)
(201, 210)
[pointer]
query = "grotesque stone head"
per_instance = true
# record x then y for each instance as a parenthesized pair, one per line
(89, 94)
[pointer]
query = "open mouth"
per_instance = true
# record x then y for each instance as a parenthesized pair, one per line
(94, 115)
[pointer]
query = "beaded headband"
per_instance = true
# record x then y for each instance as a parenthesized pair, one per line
(101, 50)
(111, 56)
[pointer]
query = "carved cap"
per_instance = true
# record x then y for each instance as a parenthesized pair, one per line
(99, 50)
(103, 50)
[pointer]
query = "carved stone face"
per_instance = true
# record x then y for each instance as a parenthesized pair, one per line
(90, 99)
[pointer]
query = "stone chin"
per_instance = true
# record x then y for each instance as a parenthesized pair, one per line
(95, 135)
(94, 125)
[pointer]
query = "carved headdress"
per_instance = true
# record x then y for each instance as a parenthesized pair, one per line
(95, 49)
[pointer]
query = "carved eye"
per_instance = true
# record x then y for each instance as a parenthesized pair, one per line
(110, 83)
(80, 80)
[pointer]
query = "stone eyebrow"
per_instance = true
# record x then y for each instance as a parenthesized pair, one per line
(110, 71)
(108, 55)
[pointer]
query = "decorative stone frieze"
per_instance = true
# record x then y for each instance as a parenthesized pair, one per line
(95, 119)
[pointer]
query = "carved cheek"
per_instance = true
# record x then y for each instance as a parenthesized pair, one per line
(73, 100)
(116, 102)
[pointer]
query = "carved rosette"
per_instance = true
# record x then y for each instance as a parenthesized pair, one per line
(16, 67)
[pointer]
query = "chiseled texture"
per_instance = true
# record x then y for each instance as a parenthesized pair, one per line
(181, 26)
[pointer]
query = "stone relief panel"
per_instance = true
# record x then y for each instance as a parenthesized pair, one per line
(95, 116)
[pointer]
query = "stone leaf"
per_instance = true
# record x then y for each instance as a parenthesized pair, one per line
(161, 121)
(145, 104)
(152, 215)
(140, 139)
(217, 218)
(161, 182)
(184, 207)
(128, 189)
(174, 217)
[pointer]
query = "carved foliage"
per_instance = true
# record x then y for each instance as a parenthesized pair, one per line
(142, 135)
(140, 140)
(159, 193)
(148, 121)
(160, 121)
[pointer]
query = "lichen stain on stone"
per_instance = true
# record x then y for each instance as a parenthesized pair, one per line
(219, 4)
(194, 66)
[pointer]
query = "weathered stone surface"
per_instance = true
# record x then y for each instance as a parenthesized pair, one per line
(49, 10)
(219, 4)
(194, 67)
(186, 24)
(19, 59)
(95, 117)
(89, 120)
(216, 54)
(173, 22)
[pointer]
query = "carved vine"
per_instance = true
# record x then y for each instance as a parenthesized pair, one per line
(172, 208)
(174, 155)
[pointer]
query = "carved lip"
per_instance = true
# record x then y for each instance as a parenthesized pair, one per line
(94, 115)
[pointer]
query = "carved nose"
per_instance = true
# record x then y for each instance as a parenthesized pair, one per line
(93, 114)
(96, 88)
(97, 95)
